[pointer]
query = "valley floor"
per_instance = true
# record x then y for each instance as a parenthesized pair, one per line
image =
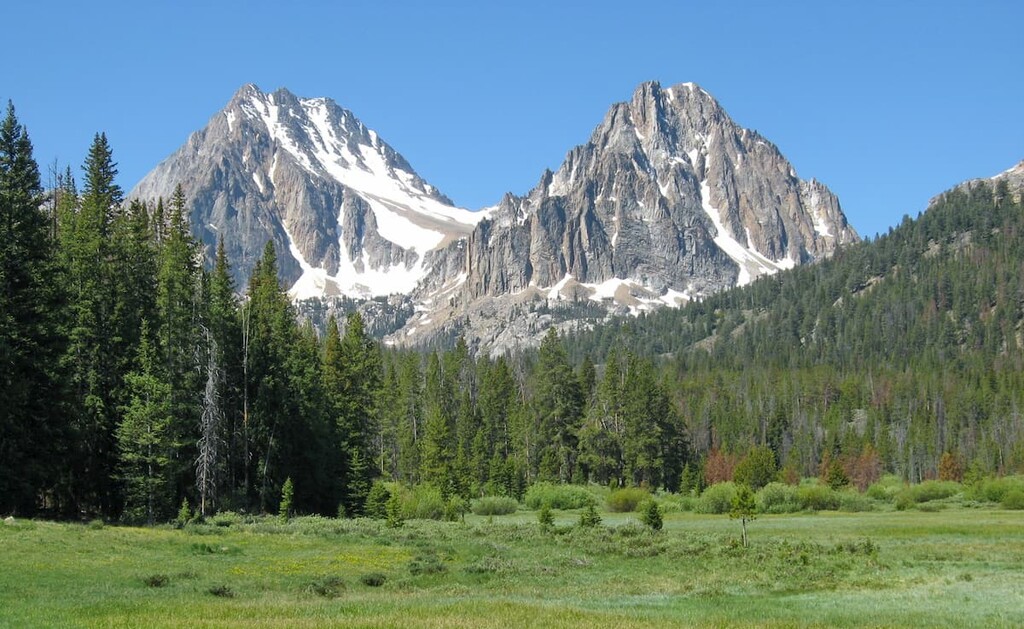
(955, 568)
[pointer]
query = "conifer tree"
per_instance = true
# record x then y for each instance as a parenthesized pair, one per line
(94, 358)
(145, 441)
(30, 302)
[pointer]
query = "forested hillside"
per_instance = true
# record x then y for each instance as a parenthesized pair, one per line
(899, 349)
(134, 380)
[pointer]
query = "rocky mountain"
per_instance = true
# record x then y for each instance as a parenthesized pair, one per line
(347, 214)
(669, 201)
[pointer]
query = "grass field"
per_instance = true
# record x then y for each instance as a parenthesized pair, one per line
(956, 568)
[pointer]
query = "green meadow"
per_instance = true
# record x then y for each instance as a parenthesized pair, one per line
(956, 567)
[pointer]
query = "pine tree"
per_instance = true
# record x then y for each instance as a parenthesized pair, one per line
(353, 373)
(94, 359)
(178, 304)
(558, 410)
(144, 438)
(30, 398)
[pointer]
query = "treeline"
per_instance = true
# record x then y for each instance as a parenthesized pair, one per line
(134, 379)
(909, 346)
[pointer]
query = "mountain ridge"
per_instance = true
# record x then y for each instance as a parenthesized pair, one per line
(668, 201)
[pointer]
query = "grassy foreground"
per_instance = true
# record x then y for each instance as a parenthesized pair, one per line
(952, 568)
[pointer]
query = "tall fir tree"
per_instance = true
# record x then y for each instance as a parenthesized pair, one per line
(93, 363)
(145, 440)
(31, 429)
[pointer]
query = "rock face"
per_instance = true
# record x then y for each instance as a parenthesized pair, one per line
(347, 214)
(669, 200)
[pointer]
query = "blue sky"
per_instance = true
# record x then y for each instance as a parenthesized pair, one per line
(887, 103)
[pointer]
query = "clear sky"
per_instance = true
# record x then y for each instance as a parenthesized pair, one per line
(886, 102)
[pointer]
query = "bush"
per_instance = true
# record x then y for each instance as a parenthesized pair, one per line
(184, 514)
(626, 500)
(777, 498)
(373, 579)
(675, 503)
(886, 488)
(1014, 499)
(455, 509)
(995, 489)
(327, 587)
(717, 498)
(222, 591)
(156, 580)
(377, 501)
(652, 515)
(423, 502)
(934, 490)
(226, 519)
(558, 496)
(393, 512)
(817, 497)
(545, 518)
(590, 518)
(495, 505)
(284, 511)
(852, 501)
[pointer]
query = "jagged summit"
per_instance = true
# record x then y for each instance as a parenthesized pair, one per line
(669, 200)
(307, 174)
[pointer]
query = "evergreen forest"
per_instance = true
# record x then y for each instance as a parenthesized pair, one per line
(133, 379)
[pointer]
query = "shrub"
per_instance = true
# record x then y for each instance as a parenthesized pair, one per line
(495, 505)
(226, 518)
(287, 495)
(652, 515)
(455, 509)
(156, 580)
(184, 514)
(716, 498)
(817, 497)
(995, 489)
(626, 500)
(590, 518)
(221, 590)
(545, 518)
(934, 490)
(558, 496)
(423, 502)
(886, 488)
(426, 564)
(373, 579)
(327, 587)
(904, 500)
(393, 512)
(674, 503)
(377, 501)
(777, 498)
(1014, 499)
(853, 501)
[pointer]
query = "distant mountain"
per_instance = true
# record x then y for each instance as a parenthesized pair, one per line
(670, 200)
(347, 214)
